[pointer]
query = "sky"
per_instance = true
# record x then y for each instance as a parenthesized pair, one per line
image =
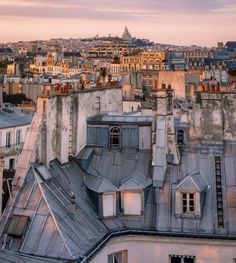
(183, 22)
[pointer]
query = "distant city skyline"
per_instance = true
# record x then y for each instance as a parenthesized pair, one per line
(180, 22)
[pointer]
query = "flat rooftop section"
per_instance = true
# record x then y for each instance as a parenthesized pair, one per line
(12, 117)
(120, 119)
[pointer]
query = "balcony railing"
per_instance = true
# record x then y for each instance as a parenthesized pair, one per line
(12, 149)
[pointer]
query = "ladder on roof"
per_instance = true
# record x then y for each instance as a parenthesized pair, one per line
(71, 125)
(219, 198)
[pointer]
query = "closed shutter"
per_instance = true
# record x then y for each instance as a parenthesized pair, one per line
(132, 203)
(130, 137)
(97, 136)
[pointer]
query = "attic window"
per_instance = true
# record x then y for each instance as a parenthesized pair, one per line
(132, 202)
(17, 225)
(115, 137)
(109, 204)
(188, 203)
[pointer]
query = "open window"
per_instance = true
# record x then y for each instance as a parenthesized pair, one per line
(114, 137)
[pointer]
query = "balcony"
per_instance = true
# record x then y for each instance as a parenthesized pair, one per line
(11, 150)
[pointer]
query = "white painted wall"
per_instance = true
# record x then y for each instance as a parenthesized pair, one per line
(130, 105)
(12, 152)
(157, 249)
(57, 117)
(110, 103)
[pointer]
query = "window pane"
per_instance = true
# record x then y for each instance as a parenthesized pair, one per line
(175, 260)
(189, 260)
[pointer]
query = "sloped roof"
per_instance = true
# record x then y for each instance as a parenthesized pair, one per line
(98, 184)
(135, 181)
(7, 256)
(13, 118)
(191, 182)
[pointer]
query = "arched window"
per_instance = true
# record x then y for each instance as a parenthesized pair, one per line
(115, 137)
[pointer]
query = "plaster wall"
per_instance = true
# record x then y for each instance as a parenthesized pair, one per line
(157, 249)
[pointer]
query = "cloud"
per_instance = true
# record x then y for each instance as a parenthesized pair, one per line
(107, 10)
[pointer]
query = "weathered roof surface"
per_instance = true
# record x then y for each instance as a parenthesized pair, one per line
(10, 118)
(7, 256)
(196, 157)
(120, 119)
(135, 181)
(99, 184)
(54, 230)
(191, 182)
(119, 166)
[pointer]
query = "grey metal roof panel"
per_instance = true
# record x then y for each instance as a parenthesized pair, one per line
(191, 182)
(135, 181)
(99, 185)
(14, 119)
(7, 256)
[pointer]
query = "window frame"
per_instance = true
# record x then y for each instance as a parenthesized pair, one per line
(182, 258)
(188, 206)
(113, 135)
(8, 139)
(18, 136)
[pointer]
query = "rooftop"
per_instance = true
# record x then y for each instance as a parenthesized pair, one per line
(12, 117)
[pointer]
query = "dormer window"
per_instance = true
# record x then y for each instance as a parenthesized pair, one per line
(115, 137)
(189, 196)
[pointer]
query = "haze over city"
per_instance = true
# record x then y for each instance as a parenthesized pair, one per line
(182, 22)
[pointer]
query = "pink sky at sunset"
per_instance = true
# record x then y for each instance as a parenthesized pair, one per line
(201, 22)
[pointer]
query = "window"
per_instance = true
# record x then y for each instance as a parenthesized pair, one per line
(109, 204)
(182, 259)
(132, 203)
(12, 163)
(115, 137)
(18, 137)
(17, 225)
(118, 257)
(8, 139)
(188, 203)
(180, 137)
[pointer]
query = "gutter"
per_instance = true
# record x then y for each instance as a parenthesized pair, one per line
(101, 244)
